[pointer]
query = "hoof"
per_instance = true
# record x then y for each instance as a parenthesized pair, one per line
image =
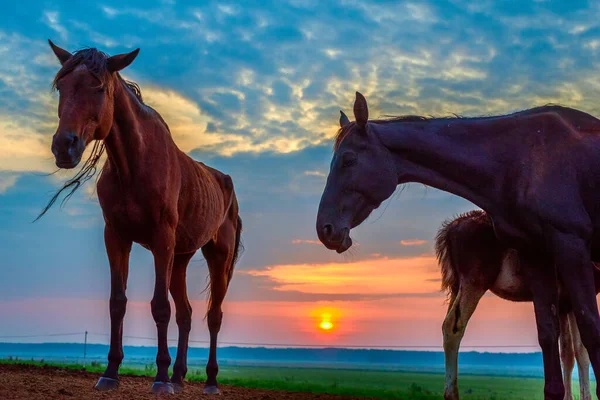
(178, 387)
(451, 396)
(163, 388)
(105, 384)
(211, 390)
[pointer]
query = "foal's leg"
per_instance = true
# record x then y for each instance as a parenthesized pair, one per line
(219, 256)
(118, 257)
(572, 258)
(453, 329)
(183, 316)
(163, 250)
(583, 361)
(544, 287)
(567, 354)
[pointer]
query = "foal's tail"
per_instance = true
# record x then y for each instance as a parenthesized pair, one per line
(443, 252)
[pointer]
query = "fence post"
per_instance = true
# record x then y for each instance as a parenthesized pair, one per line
(85, 348)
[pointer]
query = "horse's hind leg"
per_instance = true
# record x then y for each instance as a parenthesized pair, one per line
(183, 316)
(567, 355)
(583, 360)
(453, 328)
(572, 258)
(219, 255)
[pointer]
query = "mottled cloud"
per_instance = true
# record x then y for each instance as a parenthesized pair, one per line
(271, 78)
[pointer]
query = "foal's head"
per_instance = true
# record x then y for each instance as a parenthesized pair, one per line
(362, 175)
(86, 84)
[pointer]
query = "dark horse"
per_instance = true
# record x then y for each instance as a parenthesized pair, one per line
(473, 261)
(535, 172)
(151, 193)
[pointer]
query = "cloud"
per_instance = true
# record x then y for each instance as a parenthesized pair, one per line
(320, 174)
(413, 242)
(52, 19)
(377, 276)
(186, 122)
(7, 181)
(22, 148)
(306, 241)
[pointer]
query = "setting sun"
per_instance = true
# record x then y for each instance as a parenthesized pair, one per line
(326, 325)
(326, 319)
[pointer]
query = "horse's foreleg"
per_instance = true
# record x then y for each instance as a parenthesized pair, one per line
(183, 316)
(163, 250)
(541, 276)
(567, 354)
(572, 258)
(219, 257)
(453, 329)
(583, 361)
(118, 256)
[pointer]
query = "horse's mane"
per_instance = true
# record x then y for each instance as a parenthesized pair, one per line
(568, 113)
(95, 62)
(343, 132)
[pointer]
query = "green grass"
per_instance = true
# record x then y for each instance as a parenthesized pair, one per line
(368, 383)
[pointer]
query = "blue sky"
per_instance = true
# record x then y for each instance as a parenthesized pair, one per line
(255, 89)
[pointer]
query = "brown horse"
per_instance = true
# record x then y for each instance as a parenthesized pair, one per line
(535, 172)
(151, 193)
(473, 261)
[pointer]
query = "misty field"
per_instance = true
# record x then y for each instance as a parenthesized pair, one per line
(364, 383)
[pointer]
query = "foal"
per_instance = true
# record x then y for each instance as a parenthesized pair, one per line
(151, 193)
(473, 261)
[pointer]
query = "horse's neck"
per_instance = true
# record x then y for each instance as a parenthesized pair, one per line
(447, 155)
(128, 142)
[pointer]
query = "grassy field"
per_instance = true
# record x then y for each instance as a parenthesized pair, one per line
(368, 383)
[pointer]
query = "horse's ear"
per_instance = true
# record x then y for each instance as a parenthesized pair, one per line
(361, 112)
(343, 119)
(62, 55)
(120, 61)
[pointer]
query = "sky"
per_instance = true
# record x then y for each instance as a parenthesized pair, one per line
(254, 89)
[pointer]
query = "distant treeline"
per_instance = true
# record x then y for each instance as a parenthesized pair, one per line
(400, 358)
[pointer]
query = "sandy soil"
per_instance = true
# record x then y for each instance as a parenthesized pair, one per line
(22, 382)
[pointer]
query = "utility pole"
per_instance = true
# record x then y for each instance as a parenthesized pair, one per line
(85, 348)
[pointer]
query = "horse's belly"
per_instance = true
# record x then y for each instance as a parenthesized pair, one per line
(510, 283)
(197, 228)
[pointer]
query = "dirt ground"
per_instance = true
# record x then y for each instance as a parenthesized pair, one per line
(23, 382)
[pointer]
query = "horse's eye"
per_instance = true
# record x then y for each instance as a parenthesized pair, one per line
(348, 159)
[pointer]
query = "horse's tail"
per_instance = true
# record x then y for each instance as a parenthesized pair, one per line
(443, 251)
(238, 249)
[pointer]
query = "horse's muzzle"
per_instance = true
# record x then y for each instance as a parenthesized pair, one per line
(67, 149)
(333, 239)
